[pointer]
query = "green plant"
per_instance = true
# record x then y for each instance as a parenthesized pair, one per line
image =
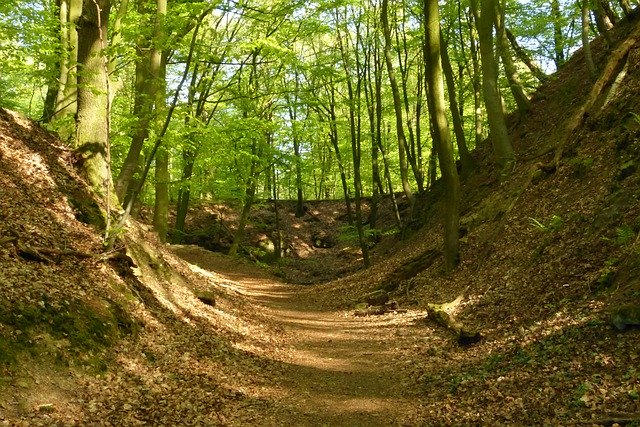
(580, 395)
(555, 223)
(624, 235)
(580, 166)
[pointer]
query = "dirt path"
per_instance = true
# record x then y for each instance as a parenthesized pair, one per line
(333, 369)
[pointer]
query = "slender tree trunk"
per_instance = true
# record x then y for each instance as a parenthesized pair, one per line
(626, 7)
(375, 167)
(476, 80)
(499, 136)
(441, 133)
(511, 72)
(250, 192)
(148, 71)
(412, 151)
(397, 105)
(586, 45)
(603, 22)
(189, 159)
(333, 136)
(67, 97)
(525, 58)
(558, 35)
(354, 132)
(161, 207)
(293, 117)
(465, 157)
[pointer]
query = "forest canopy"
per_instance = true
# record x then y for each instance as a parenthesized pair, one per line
(171, 102)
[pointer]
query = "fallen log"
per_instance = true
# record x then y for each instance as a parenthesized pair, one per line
(438, 313)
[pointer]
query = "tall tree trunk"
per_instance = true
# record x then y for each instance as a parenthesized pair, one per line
(92, 137)
(476, 80)
(148, 73)
(403, 59)
(603, 22)
(184, 194)
(161, 207)
(354, 133)
(558, 36)
(249, 195)
(441, 133)
(586, 45)
(397, 105)
(67, 97)
(510, 70)
(465, 157)
(626, 7)
(502, 148)
(333, 136)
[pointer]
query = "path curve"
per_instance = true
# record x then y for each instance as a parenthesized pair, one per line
(336, 369)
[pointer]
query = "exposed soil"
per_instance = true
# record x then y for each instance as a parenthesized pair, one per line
(333, 368)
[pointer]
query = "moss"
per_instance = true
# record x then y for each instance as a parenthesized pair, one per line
(86, 210)
(64, 332)
(626, 316)
(580, 166)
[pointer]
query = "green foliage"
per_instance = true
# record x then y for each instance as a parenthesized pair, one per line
(28, 52)
(607, 273)
(580, 166)
(555, 223)
(580, 395)
(624, 236)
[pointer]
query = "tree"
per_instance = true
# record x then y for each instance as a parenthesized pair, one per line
(586, 46)
(92, 135)
(442, 137)
(397, 105)
(515, 84)
(502, 148)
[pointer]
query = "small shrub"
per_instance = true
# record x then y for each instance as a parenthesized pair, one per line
(580, 166)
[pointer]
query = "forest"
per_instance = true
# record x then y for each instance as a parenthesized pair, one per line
(350, 212)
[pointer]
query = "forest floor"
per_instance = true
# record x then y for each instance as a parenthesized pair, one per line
(332, 368)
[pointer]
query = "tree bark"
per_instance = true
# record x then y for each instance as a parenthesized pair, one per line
(161, 206)
(586, 45)
(476, 80)
(67, 97)
(442, 137)
(463, 151)
(558, 36)
(515, 84)
(92, 135)
(525, 58)
(502, 148)
(397, 105)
